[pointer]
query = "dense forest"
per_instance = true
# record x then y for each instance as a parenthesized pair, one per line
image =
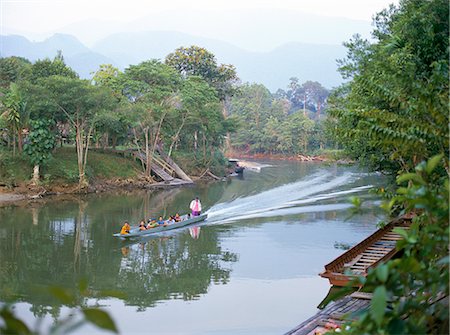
(393, 116)
(186, 106)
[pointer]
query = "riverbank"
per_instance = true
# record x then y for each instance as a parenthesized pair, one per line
(106, 171)
(334, 156)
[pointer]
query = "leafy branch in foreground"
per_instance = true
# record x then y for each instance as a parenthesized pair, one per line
(12, 324)
(410, 294)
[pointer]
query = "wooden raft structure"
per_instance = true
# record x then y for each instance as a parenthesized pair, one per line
(377, 248)
(334, 315)
(166, 169)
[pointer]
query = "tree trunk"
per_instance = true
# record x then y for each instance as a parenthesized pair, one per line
(82, 145)
(14, 144)
(195, 140)
(35, 180)
(175, 138)
(19, 140)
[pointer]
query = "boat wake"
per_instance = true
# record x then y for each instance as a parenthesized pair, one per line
(311, 194)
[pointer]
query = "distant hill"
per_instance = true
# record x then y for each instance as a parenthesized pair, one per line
(76, 55)
(273, 69)
(255, 29)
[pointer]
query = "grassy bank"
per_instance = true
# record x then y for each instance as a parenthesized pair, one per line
(63, 168)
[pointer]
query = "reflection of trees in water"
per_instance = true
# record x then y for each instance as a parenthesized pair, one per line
(178, 267)
(58, 243)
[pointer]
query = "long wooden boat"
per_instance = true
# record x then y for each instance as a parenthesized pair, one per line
(377, 248)
(185, 220)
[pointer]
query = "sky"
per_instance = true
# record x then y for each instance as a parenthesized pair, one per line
(40, 16)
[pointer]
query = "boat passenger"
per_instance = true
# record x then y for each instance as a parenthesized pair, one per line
(177, 217)
(161, 222)
(196, 207)
(142, 225)
(152, 224)
(125, 228)
(170, 220)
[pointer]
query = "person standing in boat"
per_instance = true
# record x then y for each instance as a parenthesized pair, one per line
(196, 207)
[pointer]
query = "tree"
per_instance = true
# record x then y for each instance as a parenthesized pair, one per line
(13, 69)
(46, 68)
(109, 76)
(251, 107)
(410, 294)
(396, 104)
(15, 113)
(79, 102)
(315, 95)
(152, 87)
(196, 61)
(40, 144)
(204, 119)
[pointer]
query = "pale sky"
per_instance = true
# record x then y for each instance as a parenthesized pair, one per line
(40, 16)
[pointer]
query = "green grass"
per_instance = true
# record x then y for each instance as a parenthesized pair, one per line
(13, 169)
(63, 167)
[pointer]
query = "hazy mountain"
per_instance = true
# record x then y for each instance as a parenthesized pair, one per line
(250, 29)
(273, 69)
(77, 55)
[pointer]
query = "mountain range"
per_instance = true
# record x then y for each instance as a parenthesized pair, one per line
(307, 61)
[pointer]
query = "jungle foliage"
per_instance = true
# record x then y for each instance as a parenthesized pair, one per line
(393, 115)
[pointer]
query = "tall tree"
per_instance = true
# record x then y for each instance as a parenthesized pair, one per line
(396, 104)
(13, 69)
(40, 144)
(196, 61)
(153, 89)
(80, 102)
(15, 113)
(57, 67)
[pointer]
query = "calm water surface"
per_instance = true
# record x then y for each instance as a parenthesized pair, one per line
(251, 268)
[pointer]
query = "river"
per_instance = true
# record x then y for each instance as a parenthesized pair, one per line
(251, 268)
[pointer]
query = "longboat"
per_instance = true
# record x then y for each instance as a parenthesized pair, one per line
(185, 221)
(375, 249)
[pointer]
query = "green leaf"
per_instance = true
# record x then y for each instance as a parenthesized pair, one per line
(378, 304)
(382, 272)
(13, 324)
(410, 176)
(100, 319)
(402, 232)
(433, 162)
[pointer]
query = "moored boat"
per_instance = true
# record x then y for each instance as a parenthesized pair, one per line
(185, 221)
(377, 248)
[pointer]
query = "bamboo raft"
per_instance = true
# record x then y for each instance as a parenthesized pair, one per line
(335, 315)
(377, 248)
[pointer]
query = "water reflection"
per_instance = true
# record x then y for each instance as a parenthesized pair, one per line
(61, 242)
(267, 237)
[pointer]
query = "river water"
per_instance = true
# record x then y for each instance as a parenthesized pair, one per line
(251, 268)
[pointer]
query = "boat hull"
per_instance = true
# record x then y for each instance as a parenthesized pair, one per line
(136, 233)
(377, 248)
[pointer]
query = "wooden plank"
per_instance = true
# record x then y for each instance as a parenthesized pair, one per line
(361, 295)
(378, 247)
(353, 261)
(369, 256)
(365, 262)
